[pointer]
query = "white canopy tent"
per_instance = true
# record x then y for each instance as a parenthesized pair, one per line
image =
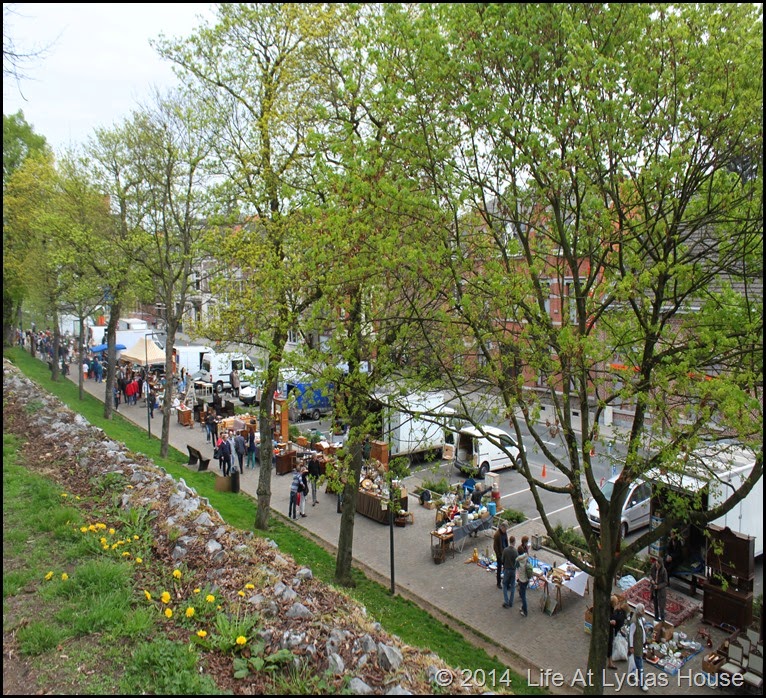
(144, 351)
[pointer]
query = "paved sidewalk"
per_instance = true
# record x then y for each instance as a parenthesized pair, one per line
(457, 591)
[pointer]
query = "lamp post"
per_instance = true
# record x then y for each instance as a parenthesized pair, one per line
(146, 358)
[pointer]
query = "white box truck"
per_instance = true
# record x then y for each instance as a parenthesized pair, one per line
(218, 365)
(413, 425)
(190, 358)
(713, 474)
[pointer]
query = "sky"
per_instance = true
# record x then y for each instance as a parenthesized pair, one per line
(96, 65)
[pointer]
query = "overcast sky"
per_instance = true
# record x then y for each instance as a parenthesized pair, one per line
(96, 64)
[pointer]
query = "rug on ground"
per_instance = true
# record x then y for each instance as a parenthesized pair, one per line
(678, 608)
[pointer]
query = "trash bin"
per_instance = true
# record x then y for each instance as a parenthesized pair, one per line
(536, 540)
(234, 480)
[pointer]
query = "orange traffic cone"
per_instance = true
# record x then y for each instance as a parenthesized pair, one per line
(544, 473)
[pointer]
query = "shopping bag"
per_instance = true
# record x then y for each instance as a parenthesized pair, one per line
(620, 649)
(631, 664)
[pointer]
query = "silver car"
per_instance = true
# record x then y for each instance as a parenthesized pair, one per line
(636, 512)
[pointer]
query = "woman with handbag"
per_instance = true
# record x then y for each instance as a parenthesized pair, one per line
(616, 621)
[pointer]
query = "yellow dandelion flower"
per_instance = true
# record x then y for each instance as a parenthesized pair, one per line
(197, 590)
(139, 560)
(135, 537)
(126, 554)
(168, 613)
(240, 593)
(102, 540)
(190, 612)
(101, 526)
(249, 586)
(105, 546)
(64, 576)
(64, 494)
(219, 607)
(77, 497)
(177, 574)
(92, 528)
(114, 545)
(241, 640)
(83, 529)
(147, 595)
(210, 598)
(120, 542)
(111, 531)
(202, 633)
(130, 487)
(165, 598)
(49, 576)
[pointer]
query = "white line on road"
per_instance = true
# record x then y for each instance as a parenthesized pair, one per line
(551, 513)
(513, 494)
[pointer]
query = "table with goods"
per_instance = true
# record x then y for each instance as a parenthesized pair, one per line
(670, 650)
(374, 496)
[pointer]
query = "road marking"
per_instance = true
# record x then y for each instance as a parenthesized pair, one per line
(551, 513)
(513, 494)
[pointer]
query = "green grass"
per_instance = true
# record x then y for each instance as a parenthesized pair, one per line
(57, 544)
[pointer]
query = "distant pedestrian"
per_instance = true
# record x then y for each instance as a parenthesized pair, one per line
(224, 451)
(658, 576)
(509, 572)
(235, 383)
(252, 450)
(500, 543)
(523, 577)
(304, 491)
(240, 448)
(315, 473)
(210, 426)
(636, 642)
(295, 488)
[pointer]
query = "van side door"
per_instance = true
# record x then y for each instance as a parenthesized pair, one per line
(638, 505)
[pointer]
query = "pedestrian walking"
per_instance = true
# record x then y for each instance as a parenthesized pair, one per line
(295, 487)
(509, 572)
(225, 452)
(315, 473)
(500, 543)
(522, 574)
(304, 491)
(252, 451)
(240, 448)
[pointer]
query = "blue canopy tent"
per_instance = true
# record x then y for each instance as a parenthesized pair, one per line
(103, 347)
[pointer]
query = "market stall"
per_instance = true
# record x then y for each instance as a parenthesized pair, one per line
(553, 579)
(370, 504)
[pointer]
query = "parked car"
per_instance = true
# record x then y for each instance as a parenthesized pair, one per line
(636, 512)
(478, 452)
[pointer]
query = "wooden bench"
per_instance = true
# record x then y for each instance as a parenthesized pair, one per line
(195, 458)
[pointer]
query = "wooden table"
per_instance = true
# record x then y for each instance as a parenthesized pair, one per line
(185, 417)
(370, 505)
(442, 544)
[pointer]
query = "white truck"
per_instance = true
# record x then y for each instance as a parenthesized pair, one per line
(413, 425)
(218, 365)
(190, 358)
(714, 475)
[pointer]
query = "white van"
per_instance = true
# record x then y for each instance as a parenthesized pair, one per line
(636, 512)
(218, 365)
(479, 451)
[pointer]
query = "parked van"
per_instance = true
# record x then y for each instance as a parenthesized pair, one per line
(636, 512)
(479, 451)
(218, 365)
(190, 358)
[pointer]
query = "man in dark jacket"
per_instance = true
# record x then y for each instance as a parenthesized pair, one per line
(500, 543)
(240, 448)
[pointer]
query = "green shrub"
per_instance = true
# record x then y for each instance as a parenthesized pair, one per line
(439, 486)
(512, 516)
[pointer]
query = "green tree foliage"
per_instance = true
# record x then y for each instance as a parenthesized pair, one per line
(591, 158)
(19, 142)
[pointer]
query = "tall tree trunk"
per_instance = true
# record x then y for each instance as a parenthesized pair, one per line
(115, 309)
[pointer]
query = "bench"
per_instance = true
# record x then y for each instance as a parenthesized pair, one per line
(195, 458)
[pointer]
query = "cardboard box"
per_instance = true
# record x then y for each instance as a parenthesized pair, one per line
(222, 484)
(588, 620)
(712, 662)
(663, 631)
